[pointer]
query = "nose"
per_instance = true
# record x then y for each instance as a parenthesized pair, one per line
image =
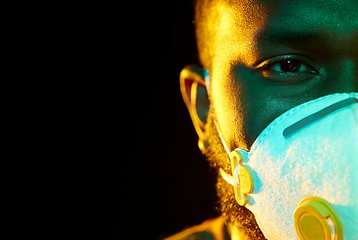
(349, 78)
(343, 77)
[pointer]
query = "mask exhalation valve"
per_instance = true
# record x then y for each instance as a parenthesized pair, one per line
(315, 219)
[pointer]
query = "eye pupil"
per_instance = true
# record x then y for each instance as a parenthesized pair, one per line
(290, 65)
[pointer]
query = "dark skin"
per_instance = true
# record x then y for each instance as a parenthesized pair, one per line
(272, 55)
(318, 39)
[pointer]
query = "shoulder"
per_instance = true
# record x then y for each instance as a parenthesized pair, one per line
(212, 229)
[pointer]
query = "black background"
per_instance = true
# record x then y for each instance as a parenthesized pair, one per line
(150, 180)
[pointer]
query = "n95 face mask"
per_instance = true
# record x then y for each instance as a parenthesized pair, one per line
(300, 178)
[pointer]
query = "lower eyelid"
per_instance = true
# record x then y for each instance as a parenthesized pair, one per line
(286, 77)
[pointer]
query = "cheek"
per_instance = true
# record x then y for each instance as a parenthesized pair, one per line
(244, 106)
(230, 111)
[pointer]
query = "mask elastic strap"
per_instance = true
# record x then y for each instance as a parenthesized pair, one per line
(241, 178)
(207, 80)
(228, 178)
(207, 83)
(222, 140)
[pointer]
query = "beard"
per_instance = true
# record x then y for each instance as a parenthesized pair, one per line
(234, 214)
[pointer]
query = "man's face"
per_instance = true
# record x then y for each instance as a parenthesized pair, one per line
(272, 55)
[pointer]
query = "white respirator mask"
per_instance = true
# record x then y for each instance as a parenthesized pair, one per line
(300, 178)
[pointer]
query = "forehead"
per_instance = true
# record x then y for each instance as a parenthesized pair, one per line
(337, 15)
(243, 23)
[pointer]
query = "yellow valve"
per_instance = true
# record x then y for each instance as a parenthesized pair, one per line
(243, 179)
(315, 219)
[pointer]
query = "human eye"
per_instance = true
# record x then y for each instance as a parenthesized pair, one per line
(287, 68)
(290, 65)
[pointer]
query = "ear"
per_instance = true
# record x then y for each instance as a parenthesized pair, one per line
(193, 90)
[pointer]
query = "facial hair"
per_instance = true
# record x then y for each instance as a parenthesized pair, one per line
(238, 216)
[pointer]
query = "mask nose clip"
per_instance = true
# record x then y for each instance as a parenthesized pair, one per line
(315, 219)
(243, 179)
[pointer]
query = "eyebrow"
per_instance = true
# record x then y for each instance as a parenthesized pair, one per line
(292, 38)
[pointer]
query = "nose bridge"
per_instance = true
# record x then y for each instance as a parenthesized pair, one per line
(347, 76)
